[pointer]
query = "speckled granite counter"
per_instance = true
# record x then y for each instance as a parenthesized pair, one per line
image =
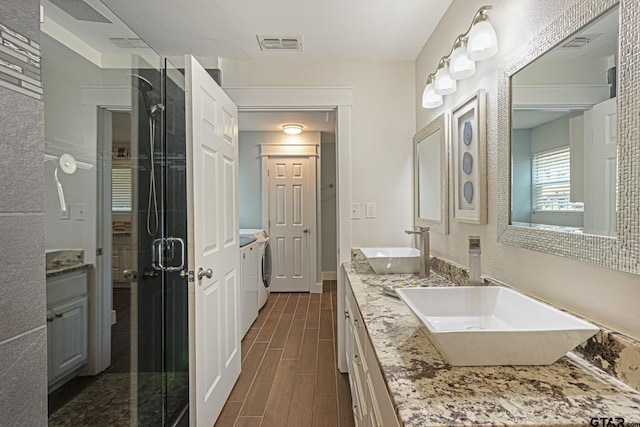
(428, 392)
(65, 261)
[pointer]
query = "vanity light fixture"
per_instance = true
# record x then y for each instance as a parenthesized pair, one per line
(430, 99)
(444, 84)
(292, 129)
(479, 42)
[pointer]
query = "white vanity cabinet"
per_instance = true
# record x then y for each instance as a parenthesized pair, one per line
(371, 403)
(67, 323)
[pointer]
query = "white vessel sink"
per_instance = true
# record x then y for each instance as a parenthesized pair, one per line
(393, 260)
(492, 325)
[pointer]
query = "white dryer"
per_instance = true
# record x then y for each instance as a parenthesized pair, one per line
(264, 262)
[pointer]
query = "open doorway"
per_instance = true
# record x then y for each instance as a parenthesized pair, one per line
(262, 142)
(122, 242)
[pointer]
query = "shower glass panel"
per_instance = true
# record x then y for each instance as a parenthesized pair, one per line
(176, 345)
(115, 111)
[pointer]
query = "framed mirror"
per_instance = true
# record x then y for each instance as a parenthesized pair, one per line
(431, 176)
(569, 144)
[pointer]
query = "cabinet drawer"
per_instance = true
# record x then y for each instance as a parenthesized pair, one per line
(66, 286)
(356, 317)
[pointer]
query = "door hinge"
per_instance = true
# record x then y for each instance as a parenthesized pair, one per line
(98, 251)
(268, 173)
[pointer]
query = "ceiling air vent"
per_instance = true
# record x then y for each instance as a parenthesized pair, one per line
(128, 43)
(81, 11)
(580, 41)
(290, 43)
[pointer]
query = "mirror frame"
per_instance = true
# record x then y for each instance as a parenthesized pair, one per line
(438, 124)
(623, 251)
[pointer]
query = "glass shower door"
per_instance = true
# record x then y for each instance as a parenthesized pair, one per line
(162, 319)
(176, 326)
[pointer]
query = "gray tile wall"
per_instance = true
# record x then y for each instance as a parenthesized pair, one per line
(23, 341)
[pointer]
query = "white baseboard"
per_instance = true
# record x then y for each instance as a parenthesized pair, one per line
(316, 288)
(329, 275)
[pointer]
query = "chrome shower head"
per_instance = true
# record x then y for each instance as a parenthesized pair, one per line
(143, 84)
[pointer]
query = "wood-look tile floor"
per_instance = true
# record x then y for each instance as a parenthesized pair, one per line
(289, 374)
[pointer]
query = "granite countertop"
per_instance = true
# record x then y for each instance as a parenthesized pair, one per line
(65, 261)
(428, 392)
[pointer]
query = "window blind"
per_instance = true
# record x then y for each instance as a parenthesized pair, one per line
(121, 189)
(551, 182)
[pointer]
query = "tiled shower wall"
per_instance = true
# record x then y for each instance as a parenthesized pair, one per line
(23, 341)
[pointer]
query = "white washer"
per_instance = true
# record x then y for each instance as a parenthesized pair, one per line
(264, 262)
(249, 253)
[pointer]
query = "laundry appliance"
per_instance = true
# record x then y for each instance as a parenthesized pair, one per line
(264, 262)
(249, 263)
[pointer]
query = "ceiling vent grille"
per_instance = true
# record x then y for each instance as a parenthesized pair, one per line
(281, 43)
(580, 41)
(81, 11)
(128, 43)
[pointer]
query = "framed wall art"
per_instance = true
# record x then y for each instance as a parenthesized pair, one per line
(469, 160)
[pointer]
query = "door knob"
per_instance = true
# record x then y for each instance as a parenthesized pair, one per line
(306, 230)
(130, 275)
(202, 273)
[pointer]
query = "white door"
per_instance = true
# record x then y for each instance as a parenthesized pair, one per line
(214, 335)
(601, 162)
(291, 204)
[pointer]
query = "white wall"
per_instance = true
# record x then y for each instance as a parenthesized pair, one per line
(606, 296)
(250, 179)
(382, 129)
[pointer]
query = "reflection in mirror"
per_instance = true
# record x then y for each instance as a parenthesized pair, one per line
(431, 176)
(616, 244)
(564, 134)
(429, 152)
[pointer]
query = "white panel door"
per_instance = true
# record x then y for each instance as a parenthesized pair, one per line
(212, 152)
(600, 204)
(291, 204)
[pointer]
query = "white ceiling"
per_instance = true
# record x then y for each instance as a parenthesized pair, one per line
(330, 29)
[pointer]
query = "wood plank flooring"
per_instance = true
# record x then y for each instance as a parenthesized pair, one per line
(289, 373)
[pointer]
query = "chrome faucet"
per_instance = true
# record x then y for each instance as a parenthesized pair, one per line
(475, 277)
(425, 261)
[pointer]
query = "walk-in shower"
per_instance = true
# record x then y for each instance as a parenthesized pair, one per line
(120, 116)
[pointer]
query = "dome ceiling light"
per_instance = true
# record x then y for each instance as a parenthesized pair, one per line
(292, 129)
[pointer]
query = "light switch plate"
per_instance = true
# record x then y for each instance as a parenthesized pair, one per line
(371, 210)
(355, 210)
(78, 212)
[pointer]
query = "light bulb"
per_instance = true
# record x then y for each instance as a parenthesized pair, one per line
(483, 42)
(460, 66)
(429, 97)
(444, 84)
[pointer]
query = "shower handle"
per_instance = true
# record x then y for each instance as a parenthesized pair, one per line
(161, 247)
